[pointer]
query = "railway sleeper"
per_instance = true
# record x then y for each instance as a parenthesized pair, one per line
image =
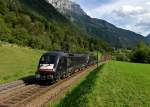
(4, 105)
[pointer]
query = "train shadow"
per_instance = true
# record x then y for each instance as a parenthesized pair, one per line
(30, 80)
(77, 97)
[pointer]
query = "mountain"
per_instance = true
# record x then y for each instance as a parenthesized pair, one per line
(116, 37)
(37, 24)
(65, 5)
(147, 39)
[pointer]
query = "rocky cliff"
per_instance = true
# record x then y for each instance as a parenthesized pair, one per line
(65, 6)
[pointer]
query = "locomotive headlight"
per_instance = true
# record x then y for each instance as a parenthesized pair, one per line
(38, 76)
(54, 69)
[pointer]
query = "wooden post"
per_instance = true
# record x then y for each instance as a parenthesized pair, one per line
(97, 59)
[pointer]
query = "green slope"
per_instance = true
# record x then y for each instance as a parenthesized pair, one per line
(37, 24)
(17, 62)
(117, 84)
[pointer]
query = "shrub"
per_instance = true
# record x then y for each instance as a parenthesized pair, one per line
(141, 54)
(122, 57)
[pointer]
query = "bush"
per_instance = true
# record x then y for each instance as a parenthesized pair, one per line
(122, 57)
(141, 54)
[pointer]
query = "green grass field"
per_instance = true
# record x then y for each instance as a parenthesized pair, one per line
(116, 84)
(17, 62)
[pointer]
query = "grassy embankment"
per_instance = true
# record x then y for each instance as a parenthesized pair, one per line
(57, 100)
(17, 62)
(117, 84)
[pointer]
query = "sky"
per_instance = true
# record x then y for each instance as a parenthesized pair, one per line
(133, 15)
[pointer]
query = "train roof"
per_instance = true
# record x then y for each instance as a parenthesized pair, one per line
(60, 53)
(56, 53)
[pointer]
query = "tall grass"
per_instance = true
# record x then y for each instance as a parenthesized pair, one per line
(117, 84)
(57, 100)
(78, 97)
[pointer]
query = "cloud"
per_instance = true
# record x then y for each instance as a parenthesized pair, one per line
(129, 10)
(138, 17)
(129, 14)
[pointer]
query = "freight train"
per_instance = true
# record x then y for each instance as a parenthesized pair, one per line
(56, 65)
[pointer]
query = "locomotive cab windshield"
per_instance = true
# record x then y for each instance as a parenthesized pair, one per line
(47, 59)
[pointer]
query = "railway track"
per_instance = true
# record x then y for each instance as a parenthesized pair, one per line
(11, 85)
(21, 94)
(15, 93)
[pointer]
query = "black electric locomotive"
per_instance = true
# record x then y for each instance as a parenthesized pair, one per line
(55, 65)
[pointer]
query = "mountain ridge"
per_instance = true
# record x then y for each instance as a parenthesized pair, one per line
(116, 37)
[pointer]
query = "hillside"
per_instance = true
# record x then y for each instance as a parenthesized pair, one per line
(115, 36)
(147, 39)
(17, 62)
(37, 24)
(116, 84)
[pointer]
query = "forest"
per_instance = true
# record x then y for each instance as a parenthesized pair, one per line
(27, 23)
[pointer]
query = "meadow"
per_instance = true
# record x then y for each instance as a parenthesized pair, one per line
(17, 62)
(115, 84)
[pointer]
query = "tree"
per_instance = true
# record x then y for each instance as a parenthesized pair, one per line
(3, 7)
(4, 31)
